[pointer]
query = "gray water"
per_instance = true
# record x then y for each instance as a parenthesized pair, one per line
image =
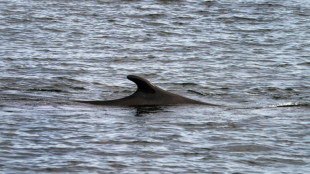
(251, 57)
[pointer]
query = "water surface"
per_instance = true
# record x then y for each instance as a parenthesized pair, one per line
(251, 57)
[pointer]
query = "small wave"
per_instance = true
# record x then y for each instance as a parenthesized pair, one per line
(195, 92)
(46, 90)
(291, 104)
(246, 148)
(305, 64)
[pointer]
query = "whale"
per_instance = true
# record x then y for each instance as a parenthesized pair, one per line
(148, 94)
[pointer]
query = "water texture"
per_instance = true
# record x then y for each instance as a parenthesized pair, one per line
(249, 56)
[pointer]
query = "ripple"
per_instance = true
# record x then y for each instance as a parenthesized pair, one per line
(246, 148)
(267, 161)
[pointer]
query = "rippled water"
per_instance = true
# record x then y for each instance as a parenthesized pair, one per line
(250, 57)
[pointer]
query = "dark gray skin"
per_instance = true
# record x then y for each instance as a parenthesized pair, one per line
(148, 94)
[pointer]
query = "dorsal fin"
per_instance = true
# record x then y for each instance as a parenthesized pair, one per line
(143, 85)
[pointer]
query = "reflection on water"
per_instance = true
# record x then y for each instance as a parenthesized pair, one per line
(147, 110)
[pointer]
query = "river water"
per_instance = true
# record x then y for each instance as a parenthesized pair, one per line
(249, 56)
